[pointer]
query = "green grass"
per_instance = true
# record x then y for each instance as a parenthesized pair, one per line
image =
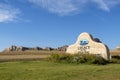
(43, 70)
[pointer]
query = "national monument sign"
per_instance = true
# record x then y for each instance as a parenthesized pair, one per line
(87, 44)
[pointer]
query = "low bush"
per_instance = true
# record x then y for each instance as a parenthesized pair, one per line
(115, 59)
(78, 58)
(60, 57)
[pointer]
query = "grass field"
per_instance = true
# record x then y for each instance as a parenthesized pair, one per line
(33, 55)
(25, 55)
(115, 52)
(43, 70)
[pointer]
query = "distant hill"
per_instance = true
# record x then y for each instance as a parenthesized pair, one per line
(21, 48)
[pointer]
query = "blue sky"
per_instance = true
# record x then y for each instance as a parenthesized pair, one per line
(58, 22)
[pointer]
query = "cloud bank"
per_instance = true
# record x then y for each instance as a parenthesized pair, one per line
(61, 7)
(8, 13)
(66, 7)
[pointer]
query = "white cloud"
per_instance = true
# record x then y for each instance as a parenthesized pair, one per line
(66, 7)
(112, 3)
(106, 4)
(8, 13)
(61, 7)
(102, 4)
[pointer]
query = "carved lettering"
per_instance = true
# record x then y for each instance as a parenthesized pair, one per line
(84, 49)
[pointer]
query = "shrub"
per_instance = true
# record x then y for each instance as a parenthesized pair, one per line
(115, 59)
(78, 58)
(91, 59)
(59, 57)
